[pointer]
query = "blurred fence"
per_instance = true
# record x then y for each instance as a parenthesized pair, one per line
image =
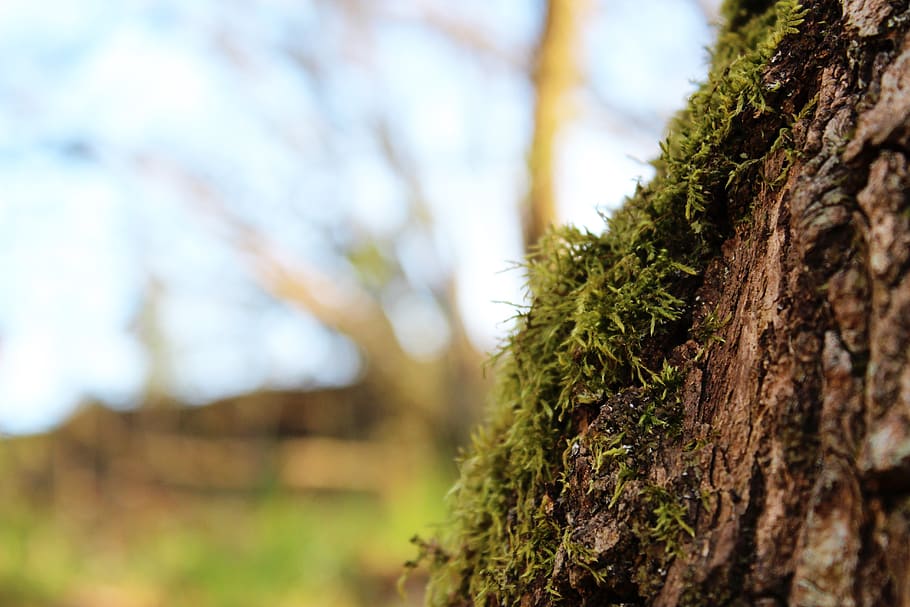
(337, 440)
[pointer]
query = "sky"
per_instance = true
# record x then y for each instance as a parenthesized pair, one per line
(123, 123)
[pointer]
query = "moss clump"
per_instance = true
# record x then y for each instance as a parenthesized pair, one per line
(604, 310)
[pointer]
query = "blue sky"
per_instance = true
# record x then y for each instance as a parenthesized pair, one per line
(121, 123)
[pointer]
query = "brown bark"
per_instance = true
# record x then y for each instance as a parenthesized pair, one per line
(798, 489)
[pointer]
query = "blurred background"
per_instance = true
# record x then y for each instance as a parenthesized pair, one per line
(253, 256)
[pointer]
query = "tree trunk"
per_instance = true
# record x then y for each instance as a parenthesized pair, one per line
(806, 400)
(777, 471)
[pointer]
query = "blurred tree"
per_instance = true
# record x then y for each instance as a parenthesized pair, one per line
(440, 387)
(556, 73)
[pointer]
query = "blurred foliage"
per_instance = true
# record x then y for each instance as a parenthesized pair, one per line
(265, 502)
(179, 549)
(272, 498)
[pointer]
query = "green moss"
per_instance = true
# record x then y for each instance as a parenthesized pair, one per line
(582, 556)
(669, 513)
(605, 307)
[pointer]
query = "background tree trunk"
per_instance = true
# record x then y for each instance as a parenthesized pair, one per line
(555, 74)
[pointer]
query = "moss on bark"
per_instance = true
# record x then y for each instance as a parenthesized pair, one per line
(592, 348)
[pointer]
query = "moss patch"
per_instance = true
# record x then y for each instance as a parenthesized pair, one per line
(606, 308)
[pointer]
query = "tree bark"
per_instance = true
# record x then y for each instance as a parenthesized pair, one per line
(787, 481)
(802, 402)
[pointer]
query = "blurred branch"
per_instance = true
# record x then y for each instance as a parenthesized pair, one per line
(348, 309)
(339, 303)
(708, 8)
(462, 33)
(621, 121)
(402, 164)
(465, 359)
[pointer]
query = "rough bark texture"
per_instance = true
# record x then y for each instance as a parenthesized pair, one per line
(803, 408)
(777, 470)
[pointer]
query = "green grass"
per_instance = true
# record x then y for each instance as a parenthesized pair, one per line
(344, 550)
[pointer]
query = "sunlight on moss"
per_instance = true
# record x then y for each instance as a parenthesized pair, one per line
(603, 306)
